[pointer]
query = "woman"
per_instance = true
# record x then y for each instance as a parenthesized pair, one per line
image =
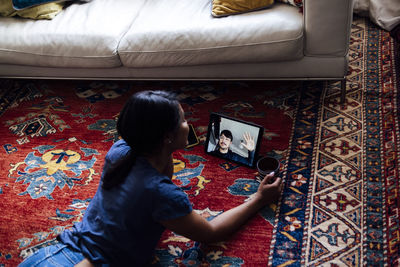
(136, 199)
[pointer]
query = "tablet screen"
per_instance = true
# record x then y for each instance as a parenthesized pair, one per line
(233, 139)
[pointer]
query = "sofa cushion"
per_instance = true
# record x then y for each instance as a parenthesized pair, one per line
(82, 35)
(176, 33)
(221, 8)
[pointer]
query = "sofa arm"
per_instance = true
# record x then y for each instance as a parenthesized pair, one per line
(327, 26)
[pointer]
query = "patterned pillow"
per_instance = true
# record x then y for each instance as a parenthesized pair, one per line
(22, 4)
(222, 8)
(43, 11)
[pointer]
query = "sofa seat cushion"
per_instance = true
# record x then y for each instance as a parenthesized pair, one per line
(82, 35)
(176, 33)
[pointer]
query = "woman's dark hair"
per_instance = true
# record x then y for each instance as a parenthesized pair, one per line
(143, 123)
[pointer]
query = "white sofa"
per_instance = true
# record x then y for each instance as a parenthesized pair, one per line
(179, 39)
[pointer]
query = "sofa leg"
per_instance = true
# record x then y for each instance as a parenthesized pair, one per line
(343, 91)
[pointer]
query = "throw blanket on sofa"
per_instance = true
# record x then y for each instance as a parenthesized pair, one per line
(384, 13)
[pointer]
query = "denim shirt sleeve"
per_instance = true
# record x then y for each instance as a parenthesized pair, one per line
(170, 202)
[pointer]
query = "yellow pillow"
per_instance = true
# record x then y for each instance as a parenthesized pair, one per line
(44, 11)
(221, 8)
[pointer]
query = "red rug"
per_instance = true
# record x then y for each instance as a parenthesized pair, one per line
(340, 163)
(55, 135)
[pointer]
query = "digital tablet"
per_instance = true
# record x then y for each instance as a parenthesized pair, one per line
(233, 139)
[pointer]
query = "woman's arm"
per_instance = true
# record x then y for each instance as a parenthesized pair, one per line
(197, 228)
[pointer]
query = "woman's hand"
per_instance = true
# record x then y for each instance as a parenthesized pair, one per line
(249, 142)
(269, 189)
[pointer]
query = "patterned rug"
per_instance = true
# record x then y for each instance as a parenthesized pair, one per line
(349, 194)
(351, 188)
(340, 163)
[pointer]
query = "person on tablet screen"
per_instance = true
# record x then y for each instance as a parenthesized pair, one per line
(224, 143)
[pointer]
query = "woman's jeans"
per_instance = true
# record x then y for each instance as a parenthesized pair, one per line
(55, 255)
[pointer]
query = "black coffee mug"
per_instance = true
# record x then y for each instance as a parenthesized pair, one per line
(266, 165)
